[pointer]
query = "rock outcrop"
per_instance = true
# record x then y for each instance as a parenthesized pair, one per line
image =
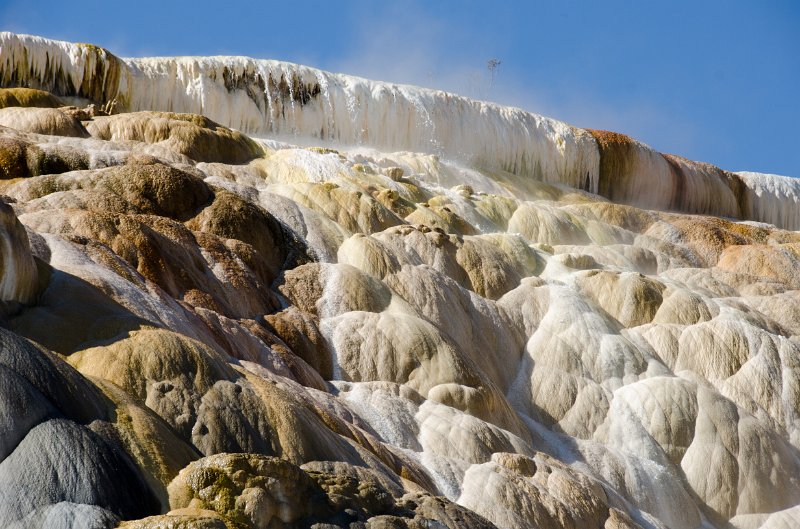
(513, 324)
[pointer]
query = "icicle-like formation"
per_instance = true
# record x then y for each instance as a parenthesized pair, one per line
(276, 99)
(63, 68)
(772, 198)
(302, 105)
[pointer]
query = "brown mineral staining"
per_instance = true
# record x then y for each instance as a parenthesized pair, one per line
(300, 331)
(157, 189)
(678, 197)
(232, 217)
(255, 492)
(101, 75)
(272, 91)
(710, 236)
(294, 89)
(390, 199)
(741, 192)
(616, 152)
(632, 173)
(438, 216)
(777, 262)
(146, 186)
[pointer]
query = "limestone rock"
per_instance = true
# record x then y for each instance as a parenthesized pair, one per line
(478, 317)
(231, 217)
(60, 461)
(195, 136)
(166, 371)
(148, 186)
(265, 492)
(27, 97)
(250, 490)
(631, 299)
(49, 121)
(300, 331)
(49, 376)
(548, 494)
(19, 273)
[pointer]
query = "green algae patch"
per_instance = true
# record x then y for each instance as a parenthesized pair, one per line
(28, 97)
(22, 159)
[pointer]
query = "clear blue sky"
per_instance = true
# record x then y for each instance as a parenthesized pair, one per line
(717, 81)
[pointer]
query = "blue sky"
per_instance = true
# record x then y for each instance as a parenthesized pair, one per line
(717, 81)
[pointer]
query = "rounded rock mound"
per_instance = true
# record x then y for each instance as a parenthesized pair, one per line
(195, 136)
(49, 121)
(28, 97)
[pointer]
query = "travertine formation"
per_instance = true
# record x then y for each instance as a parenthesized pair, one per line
(494, 320)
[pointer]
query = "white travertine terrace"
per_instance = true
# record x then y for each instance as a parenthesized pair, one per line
(441, 323)
(304, 105)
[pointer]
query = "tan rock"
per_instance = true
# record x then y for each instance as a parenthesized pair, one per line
(195, 136)
(28, 97)
(50, 121)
